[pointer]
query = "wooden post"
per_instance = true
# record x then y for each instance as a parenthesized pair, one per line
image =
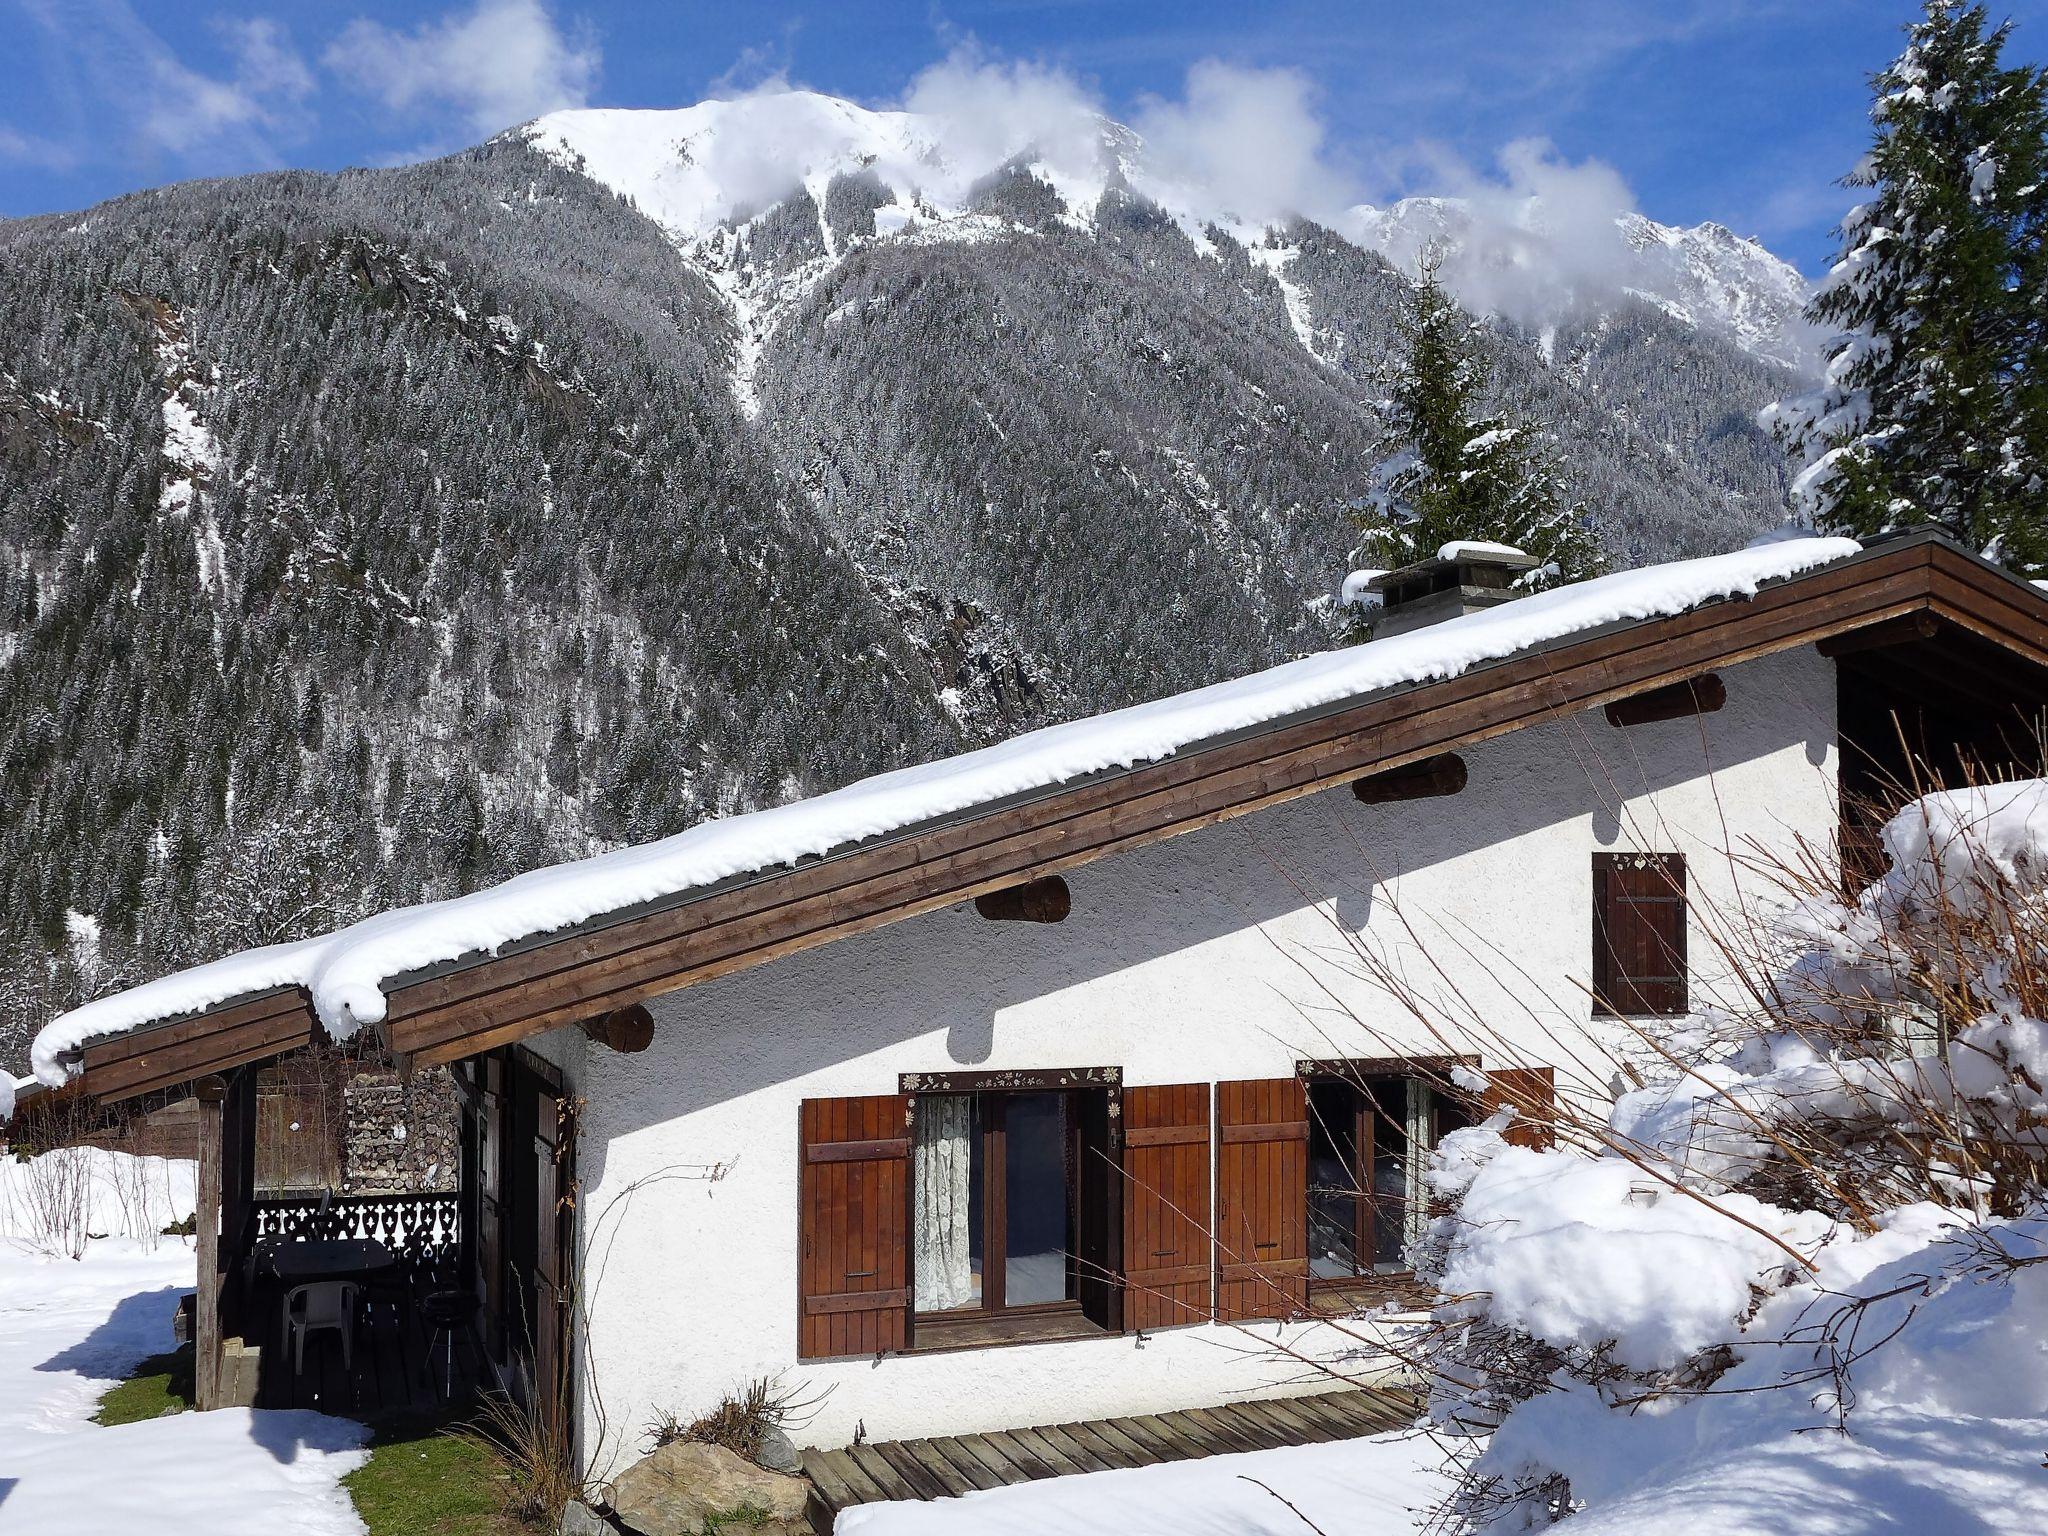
(211, 1094)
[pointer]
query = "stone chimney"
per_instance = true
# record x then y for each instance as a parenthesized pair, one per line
(1459, 579)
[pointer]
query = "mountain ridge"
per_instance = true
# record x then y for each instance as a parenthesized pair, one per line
(367, 538)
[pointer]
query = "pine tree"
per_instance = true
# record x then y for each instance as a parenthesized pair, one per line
(1461, 473)
(1935, 405)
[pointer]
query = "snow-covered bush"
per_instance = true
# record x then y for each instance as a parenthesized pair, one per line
(1824, 1213)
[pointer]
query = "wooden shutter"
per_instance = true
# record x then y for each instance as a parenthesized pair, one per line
(853, 1255)
(1261, 1199)
(1166, 1205)
(1532, 1094)
(1639, 933)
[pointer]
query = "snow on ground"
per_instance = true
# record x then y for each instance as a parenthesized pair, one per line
(1382, 1486)
(344, 971)
(61, 1198)
(69, 1330)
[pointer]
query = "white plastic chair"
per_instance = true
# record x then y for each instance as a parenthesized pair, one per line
(323, 1305)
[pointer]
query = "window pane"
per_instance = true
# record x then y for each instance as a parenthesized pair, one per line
(1037, 1200)
(947, 1172)
(1332, 1180)
(1390, 1172)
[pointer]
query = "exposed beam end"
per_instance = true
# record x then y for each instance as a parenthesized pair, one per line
(1429, 779)
(628, 1030)
(1045, 900)
(1907, 629)
(1700, 695)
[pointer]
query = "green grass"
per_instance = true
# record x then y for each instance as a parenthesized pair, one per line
(420, 1481)
(161, 1384)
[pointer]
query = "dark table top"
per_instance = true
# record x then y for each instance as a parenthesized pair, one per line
(336, 1258)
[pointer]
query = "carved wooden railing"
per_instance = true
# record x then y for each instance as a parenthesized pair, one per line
(416, 1226)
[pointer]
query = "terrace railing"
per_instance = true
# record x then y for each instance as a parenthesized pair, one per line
(420, 1227)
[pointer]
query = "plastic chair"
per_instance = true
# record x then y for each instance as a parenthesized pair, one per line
(323, 1306)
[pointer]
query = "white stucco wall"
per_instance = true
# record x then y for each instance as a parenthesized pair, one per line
(1181, 962)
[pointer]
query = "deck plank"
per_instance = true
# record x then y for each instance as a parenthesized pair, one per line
(990, 1454)
(965, 1463)
(1074, 1450)
(882, 1472)
(949, 1465)
(1136, 1451)
(1304, 1427)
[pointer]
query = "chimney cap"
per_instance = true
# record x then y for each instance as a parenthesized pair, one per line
(1460, 552)
(1461, 577)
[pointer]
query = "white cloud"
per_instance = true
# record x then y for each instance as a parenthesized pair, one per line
(1247, 142)
(992, 110)
(495, 65)
(1531, 239)
(125, 87)
(33, 149)
(186, 110)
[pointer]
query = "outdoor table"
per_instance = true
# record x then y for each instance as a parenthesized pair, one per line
(337, 1258)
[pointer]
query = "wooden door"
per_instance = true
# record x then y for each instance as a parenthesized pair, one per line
(1261, 1199)
(1167, 1162)
(554, 1214)
(853, 1223)
(490, 1217)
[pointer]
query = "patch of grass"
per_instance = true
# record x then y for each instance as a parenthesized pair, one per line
(161, 1384)
(422, 1481)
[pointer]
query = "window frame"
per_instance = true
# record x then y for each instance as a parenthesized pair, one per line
(1430, 1075)
(994, 1320)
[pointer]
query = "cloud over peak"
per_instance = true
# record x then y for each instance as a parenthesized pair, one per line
(496, 64)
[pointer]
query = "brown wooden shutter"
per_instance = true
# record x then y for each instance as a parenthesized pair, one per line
(1639, 933)
(853, 1255)
(1261, 1199)
(1531, 1092)
(1166, 1205)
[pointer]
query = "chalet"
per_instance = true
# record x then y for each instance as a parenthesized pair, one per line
(1020, 1088)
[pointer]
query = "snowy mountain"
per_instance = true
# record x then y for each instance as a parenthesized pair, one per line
(639, 467)
(705, 172)
(1511, 257)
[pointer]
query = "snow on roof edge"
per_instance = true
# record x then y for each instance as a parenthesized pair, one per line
(344, 971)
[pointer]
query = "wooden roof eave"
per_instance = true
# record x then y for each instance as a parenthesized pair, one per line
(479, 1002)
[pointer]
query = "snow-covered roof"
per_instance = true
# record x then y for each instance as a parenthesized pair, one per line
(344, 972)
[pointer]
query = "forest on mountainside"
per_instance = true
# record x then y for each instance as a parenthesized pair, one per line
(368, 538)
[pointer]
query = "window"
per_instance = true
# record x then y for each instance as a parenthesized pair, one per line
(1639, 920)
(1007, 1194)
(1369, 1139)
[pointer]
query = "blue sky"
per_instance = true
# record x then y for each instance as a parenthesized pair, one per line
(1743, 111)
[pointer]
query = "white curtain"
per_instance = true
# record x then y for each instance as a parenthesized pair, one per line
(944, 1171)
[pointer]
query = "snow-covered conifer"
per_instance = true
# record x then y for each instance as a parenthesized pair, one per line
(1460, 472)
(1932, 409)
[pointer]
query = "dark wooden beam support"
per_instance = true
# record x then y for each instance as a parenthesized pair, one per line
(1700, 695)
(1907, 629)
(627, 1030)
(1035, 901)
(212, 1094)
(1428, 779)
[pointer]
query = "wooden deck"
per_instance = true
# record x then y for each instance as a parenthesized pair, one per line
(957, 1464)
(393, 1375)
